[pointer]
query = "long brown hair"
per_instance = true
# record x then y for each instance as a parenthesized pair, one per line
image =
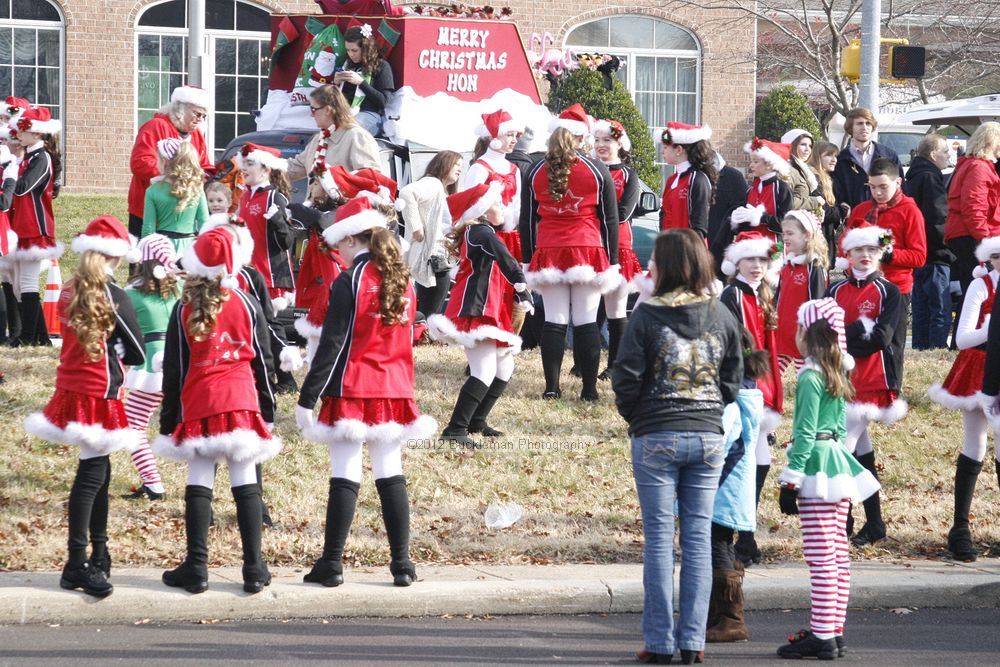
(820, 150)
(765, 297)
(441, 165)
(385, 252)
(479, 150)
(145, 281)
(51, 143)
(279, 181)
(822, 346)
(560, 159)
(329, 95)
(91, 314)
(682, 262)
(205, 296)
(702, 157)
(371, 58)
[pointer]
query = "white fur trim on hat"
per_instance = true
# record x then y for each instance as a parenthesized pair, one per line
(355, 224)
(860, 237)
(214, 220)
(192, 95)
(807, 219)
(355, 430)
(776, 162)
(686, 137)
(605, 127)
(240, 445)
(608, 280)
(52, 126)
(442, 328)
(744, 249)
(263, 158)
(102, 244)
(94, 436)
(575, 127)
(193, 266)
(483, 204)
(988, 246)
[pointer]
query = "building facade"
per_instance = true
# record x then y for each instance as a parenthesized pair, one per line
(104, 66)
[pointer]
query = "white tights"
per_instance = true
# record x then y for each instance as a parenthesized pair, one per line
(762, 452)
(487, 361)
(562, 301)
(974, 445)
(616, 302)
(25, 279)
(345, 459)
(201, 472)
(857, 438)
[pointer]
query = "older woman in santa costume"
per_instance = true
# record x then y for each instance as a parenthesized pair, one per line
(569, 242)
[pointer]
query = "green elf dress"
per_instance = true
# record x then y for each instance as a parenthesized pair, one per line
(160, 216)
(153, 313)
(819, 464)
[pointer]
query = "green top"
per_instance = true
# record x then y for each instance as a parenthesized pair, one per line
(159, 214)
(153, 313)
(816, 411)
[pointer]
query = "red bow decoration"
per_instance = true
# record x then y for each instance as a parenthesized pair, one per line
(756, 144)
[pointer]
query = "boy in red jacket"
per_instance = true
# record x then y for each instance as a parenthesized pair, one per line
(892, 210)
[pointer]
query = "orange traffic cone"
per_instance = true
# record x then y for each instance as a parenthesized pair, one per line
(50, 306)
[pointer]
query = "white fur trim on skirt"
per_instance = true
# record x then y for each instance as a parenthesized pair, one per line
(355, 430)
(143, 380)
(872, 412)
(583, 274)
(770, 420)
(94, 436)
(240, 445)
(36, 253)
(307, 329)
(946, 399)
(837, 488)
(444, 329)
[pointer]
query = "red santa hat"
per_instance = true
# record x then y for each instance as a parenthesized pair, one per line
(827, 309)
(336, 182)
(370, 183)
(745, 245)
(212, 256)
(683, 134)
(497, 123)
(15, 107)
(108, 236)
(193, 95)
(38, 120)
(354, 217)
(167, 148)
(807, 219)
(988, 246)
(860, 235)
(574, 119)
(157, 247)
(263, 155)
(774, 154)
(244, 239)
(472, 203)
(616, 130)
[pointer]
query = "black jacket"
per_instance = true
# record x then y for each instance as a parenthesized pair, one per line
(677, 367)
(925, 183)
(377, 93)
(850, 181)
(730, 193)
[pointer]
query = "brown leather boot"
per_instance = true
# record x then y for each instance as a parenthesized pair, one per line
(730, 626)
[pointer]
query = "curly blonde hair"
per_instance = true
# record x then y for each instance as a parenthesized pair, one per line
(184, 173)
(91, 313)
(386, 255)
(560, 159)
(205, 296)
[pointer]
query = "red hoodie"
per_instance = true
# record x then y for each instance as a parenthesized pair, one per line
(909, 238)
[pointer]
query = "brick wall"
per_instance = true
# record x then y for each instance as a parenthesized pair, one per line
(100, 73)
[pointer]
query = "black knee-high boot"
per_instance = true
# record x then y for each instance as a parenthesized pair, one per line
(482, 413)
(616, 331)
(874, 528)
(192, 574)
(41, 328)
(471, 395)
(30, 307)
(248, 516)
(960, 537)
(80, 572)
(13, 314)
(265, 516)
(587, 349)
(340, 505)
(396, 515)
(99, 555)
(553, 344)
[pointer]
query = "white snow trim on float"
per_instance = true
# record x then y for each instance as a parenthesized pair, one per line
(355, 430)
(240, 445)
(872, 412)
(94, 436)
(946, 399)
(444, 329)
(607, 280)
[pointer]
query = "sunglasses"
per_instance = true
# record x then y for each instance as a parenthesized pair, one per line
(313, 109)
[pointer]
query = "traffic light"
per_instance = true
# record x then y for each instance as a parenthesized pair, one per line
(850, 61)
(907, 62)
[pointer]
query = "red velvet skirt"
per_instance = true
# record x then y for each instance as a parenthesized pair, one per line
(966, 375)
(222, 424)
(370, 411)
(564, 259)
(68, 406)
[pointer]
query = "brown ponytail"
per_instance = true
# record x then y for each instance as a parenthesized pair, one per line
(205, 296)
(384, 249)
(765, 297)
(51, 143)
(91, 314)
(560, 159)
(280, 182)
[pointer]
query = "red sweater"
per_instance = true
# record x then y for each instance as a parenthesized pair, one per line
(909, 239)
(973, 200)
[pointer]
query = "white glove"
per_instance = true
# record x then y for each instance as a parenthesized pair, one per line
(869, 325)
(304, 418)
(739, 216)
(120, 349)
(290, 358)
(755, 213)
(157, 362)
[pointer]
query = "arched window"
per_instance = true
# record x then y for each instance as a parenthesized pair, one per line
(31, 52)
(236, 62)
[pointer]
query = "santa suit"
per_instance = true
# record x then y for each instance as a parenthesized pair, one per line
(263, 210)
(86, 408)
(687, 196)
(800, 280)
(32, 218)
(775, 196)
(143, 160)
(958, 391)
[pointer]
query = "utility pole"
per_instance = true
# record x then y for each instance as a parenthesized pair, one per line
(196, 41)
(871, 36)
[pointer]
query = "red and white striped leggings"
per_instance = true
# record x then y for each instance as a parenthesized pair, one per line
(139, 407)
(824, 544)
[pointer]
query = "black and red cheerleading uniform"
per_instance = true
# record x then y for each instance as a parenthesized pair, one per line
(743, 302)
(363, 368)
(687, 197)
(477, 308)
(627, 191)
(32, 219)
(800, 280)
(263, 210)
(776, 197)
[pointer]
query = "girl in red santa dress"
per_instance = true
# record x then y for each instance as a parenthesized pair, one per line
(498, 136)
(477, 317)
(612, 146)
(363, 372)
(32, 220)
(688, 192)
(769, 197)
(101, 335)
(750, 261)
(803, 277)
(960, 388)
(218, 404)
(569, 241)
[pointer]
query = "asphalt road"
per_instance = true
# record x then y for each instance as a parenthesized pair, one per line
(876, 638)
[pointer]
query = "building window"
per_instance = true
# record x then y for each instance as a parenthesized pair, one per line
(31, 52)
(237, 59)
(662, 65)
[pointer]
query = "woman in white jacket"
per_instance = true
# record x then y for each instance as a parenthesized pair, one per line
(424, 207)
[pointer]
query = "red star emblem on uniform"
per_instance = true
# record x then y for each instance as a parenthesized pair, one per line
(569, 203)
(225, 350)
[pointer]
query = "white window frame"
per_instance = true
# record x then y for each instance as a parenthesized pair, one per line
(47, 25)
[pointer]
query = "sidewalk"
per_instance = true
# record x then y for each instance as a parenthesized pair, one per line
(35, 597)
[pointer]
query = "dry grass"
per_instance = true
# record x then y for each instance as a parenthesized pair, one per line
(566, 463)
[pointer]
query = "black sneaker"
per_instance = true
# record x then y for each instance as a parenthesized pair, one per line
(805, 644)
(192, 578)
(841, 646)
(326, 573)
(143, 492)
(869, 534)
(103, 563)
(89, 579)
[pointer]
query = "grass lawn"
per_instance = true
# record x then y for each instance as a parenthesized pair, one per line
(566, 463)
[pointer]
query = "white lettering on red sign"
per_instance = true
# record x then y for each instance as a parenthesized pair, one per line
(464, 37)
(463, 83)
(467, 60)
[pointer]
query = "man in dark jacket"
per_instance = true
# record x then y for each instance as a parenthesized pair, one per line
(850, 176)
(730, 192)
(931, 304)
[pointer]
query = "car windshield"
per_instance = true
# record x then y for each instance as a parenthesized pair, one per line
(901, 142)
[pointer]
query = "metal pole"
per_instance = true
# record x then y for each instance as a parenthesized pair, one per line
(871, 34)
(196, 40)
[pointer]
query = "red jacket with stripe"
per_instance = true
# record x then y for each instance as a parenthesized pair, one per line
(686, 204)
(31, 216)
(742, 301)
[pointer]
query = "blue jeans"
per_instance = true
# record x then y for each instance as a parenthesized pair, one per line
(931, 306)
(370, 121)
(681, 466)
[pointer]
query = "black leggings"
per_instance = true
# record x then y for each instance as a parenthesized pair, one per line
(430, 300)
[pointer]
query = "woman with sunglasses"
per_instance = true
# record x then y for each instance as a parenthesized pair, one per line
(688, 192)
